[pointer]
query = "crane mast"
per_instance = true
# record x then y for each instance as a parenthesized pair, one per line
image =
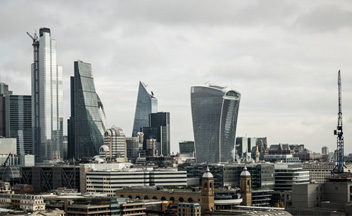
(339, 132)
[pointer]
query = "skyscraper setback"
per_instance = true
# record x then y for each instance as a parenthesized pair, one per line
(214, 115)
(47, 118)
(146, 104)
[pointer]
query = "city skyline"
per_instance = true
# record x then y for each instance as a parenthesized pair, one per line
(283, 60)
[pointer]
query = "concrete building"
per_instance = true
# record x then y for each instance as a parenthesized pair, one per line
(262, 174)
(8, 146)
(287, 175)
(108, 181)
(116, 140)
(307, 155)
(323, 198)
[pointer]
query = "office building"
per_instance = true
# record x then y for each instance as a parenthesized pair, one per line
(146, 104)
(46, 178)
(134, 146)
(186, 147)
(87, 123)
(108, 181)
(4, 92)
(287, 175)
(262, 174)
(241, 148)
(214, 115)
(161, 121)
(18, 112)
(328, 198)
(325, 150)
(159, 129)
(47, 94)
(115, 139)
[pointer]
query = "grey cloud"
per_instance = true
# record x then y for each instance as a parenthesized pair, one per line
(325, 18)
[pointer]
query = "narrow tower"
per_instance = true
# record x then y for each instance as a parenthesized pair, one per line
(339, 132)
(245, 186)
(207, 192)
(47, 121)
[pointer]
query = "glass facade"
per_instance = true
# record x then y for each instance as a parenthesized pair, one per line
(186, 147)
(146, 104)
(87, 122)
(214, 115)
(46, 98)
(18, 114)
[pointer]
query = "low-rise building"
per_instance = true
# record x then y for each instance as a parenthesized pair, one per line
(289, 174)
(189, 209)
(322, 198)
(108, 181)
(25, 202)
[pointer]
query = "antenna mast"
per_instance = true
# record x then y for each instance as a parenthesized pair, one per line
(339, 132)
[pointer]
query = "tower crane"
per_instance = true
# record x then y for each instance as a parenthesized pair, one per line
(339, 132)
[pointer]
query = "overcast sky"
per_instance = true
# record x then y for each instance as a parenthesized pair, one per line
(282, 56)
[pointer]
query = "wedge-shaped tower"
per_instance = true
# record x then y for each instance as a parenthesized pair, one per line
(146, 104)
(87, 123)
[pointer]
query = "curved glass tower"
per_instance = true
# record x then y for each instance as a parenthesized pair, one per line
(214, 115)
(87, 123)
(146, 104)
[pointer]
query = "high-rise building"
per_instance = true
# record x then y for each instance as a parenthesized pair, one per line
(4, 92)
(161, 121)
(159, 129)
(116, 140)
(87, 123)
(214, 115)
(146, 104)
(47, 118)
(325, 150)
(18, 114)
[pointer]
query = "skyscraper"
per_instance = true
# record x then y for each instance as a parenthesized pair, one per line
(146, 104)
(18, 114)
(46, 98)
(87, 123)
(161, 120)
(214, 115)
(4, 92)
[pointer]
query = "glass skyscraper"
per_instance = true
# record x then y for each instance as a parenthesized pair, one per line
(146, 104)
(46, 98)
(214, 115)
(18, 114)
(87, 123)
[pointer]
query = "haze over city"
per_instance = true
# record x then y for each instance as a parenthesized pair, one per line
(282, 56)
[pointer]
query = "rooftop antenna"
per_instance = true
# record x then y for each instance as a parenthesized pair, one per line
(339, 132)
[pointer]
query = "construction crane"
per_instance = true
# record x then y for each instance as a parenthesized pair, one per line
(34, 38)
(8, 157)
(339, 132)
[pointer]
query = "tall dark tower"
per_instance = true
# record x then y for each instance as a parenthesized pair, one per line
(207, 192)
(339, 132)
